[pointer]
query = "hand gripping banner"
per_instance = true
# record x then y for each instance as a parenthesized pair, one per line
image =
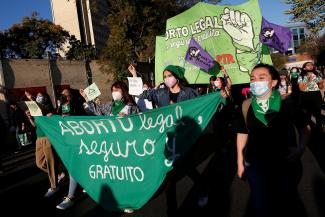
(122, 161)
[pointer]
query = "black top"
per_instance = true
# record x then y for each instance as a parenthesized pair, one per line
(270, 145)
(173, 97)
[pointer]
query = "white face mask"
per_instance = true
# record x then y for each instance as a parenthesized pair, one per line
(259, 88)
(116, 95)
(217, 84)
(39, 99)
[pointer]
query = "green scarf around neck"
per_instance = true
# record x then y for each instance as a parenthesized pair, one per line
(274, 104)
(117, 106)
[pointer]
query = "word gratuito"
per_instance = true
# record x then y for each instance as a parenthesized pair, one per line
(123, 173)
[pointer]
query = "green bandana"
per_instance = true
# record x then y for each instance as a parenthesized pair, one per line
(66, 108)
(117, 106)
(266, 114)
(294, 75)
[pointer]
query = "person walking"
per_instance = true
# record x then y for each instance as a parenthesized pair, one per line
(175, 90)
(122, 105)
(268, 151)
(45, 156)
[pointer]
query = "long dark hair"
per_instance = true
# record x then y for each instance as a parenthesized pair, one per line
(273, 72)
(46, 106)
(304, 72)
(125, 92)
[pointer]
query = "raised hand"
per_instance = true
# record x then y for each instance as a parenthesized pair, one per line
(132, 70)
(239, 27)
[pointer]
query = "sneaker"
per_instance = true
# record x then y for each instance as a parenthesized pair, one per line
(128, 211)
(65, 204)
(203, 201)
(51, 191)
(84, 191)
(61, 177)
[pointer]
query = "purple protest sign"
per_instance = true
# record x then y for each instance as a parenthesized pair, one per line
(275, 36)
(197, 56)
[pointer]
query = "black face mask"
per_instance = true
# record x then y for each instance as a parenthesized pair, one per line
(64, 99)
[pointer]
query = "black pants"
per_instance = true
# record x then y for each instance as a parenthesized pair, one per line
(312, 101)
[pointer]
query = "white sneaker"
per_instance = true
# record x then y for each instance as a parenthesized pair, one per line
(65, 204)
(128, 211)
(51, 191)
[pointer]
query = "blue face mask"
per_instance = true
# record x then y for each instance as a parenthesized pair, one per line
(259, 88)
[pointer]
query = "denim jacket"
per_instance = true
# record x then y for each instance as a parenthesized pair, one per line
(160, 96)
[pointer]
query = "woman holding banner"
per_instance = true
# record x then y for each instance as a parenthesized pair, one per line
(122, 105)
(176, 90)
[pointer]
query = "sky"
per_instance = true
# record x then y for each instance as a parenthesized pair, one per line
(12, 11)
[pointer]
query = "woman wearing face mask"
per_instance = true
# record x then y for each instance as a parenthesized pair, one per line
(123, 103)
(310, 84)
(267, 151)
(175, 91)
(285, 87)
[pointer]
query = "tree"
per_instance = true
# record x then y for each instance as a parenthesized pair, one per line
(133, 27)
(315, 47)
(79, 51)
(33, 38)
(278, 60)
(311, 12)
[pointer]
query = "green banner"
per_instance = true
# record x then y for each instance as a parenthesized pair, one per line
(122, 161)
(229, 33)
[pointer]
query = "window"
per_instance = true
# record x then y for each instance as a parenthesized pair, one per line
(302, 31)
(294, 32)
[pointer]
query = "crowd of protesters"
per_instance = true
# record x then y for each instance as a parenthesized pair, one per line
(278, 104)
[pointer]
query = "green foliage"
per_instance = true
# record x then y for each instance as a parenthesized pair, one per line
(79, 51)
(32, 38)
(133, 27)
(315, 47)
(311, 12)
(278, 60)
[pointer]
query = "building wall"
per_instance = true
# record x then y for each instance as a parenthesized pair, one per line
(79, 18)
(20, 74)
(65, 14)
(102, 80)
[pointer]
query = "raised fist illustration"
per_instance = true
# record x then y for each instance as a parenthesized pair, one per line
(239, 27)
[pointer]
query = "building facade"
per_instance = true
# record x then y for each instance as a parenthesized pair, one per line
(84, 19)
(299, 34)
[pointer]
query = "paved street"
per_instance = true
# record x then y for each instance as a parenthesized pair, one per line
(22, 189)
